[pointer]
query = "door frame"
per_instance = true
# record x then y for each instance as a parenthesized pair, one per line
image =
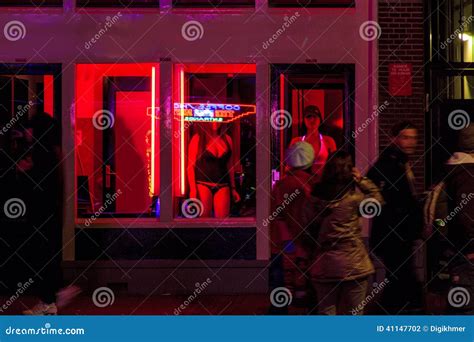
(347, 71)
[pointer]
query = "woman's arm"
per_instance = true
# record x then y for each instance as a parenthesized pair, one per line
(330, 143)
(192, 156)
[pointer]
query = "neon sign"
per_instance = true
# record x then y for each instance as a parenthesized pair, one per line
(211, 112)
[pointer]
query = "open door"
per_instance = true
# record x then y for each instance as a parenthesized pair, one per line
(294, 87)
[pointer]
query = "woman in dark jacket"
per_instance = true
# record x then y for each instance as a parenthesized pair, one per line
(342, 264)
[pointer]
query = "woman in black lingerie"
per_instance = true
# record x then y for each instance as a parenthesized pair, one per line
(211, 170)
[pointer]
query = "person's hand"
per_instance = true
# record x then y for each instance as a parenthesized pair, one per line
(193, 193)
(356, 174)
(235, 195)
(25, 164)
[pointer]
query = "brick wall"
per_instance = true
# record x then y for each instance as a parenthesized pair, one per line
(402, 41)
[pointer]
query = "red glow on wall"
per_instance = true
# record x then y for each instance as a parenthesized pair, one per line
(48, 94)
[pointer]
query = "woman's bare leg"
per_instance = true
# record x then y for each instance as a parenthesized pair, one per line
(222, 202)
(205, 196)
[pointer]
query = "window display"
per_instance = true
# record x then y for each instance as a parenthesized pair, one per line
(117, 140)
(214, 136)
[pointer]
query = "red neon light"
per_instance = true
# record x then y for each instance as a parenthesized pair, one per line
(282, 108)
(227, 116)
(153, 127)
(181, 130)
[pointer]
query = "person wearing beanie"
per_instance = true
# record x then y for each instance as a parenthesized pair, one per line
(449, 213)
(289, 222)
(322, 145)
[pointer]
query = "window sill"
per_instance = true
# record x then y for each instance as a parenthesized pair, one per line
(133, 223)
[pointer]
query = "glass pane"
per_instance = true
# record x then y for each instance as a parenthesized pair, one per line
(117, 140)
(214, 141)
(118, 3)
(456, 30)
(31, 3)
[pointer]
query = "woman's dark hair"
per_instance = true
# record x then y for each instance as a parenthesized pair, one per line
(337, 177)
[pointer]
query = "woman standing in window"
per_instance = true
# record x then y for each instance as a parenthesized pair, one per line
(211, 169)
(323, 145)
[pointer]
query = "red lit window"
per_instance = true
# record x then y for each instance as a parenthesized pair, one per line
(117, 140)
(214, 140)
(313, 106)
(31, 3)
(311, 3)
(118, 3)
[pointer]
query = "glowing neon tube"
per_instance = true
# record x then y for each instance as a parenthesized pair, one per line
(181, 129)
(153, 129)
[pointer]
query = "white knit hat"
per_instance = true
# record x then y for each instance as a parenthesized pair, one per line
(300, 155)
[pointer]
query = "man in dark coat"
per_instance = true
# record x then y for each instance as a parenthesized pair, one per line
(399, 224)
(451, 205)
